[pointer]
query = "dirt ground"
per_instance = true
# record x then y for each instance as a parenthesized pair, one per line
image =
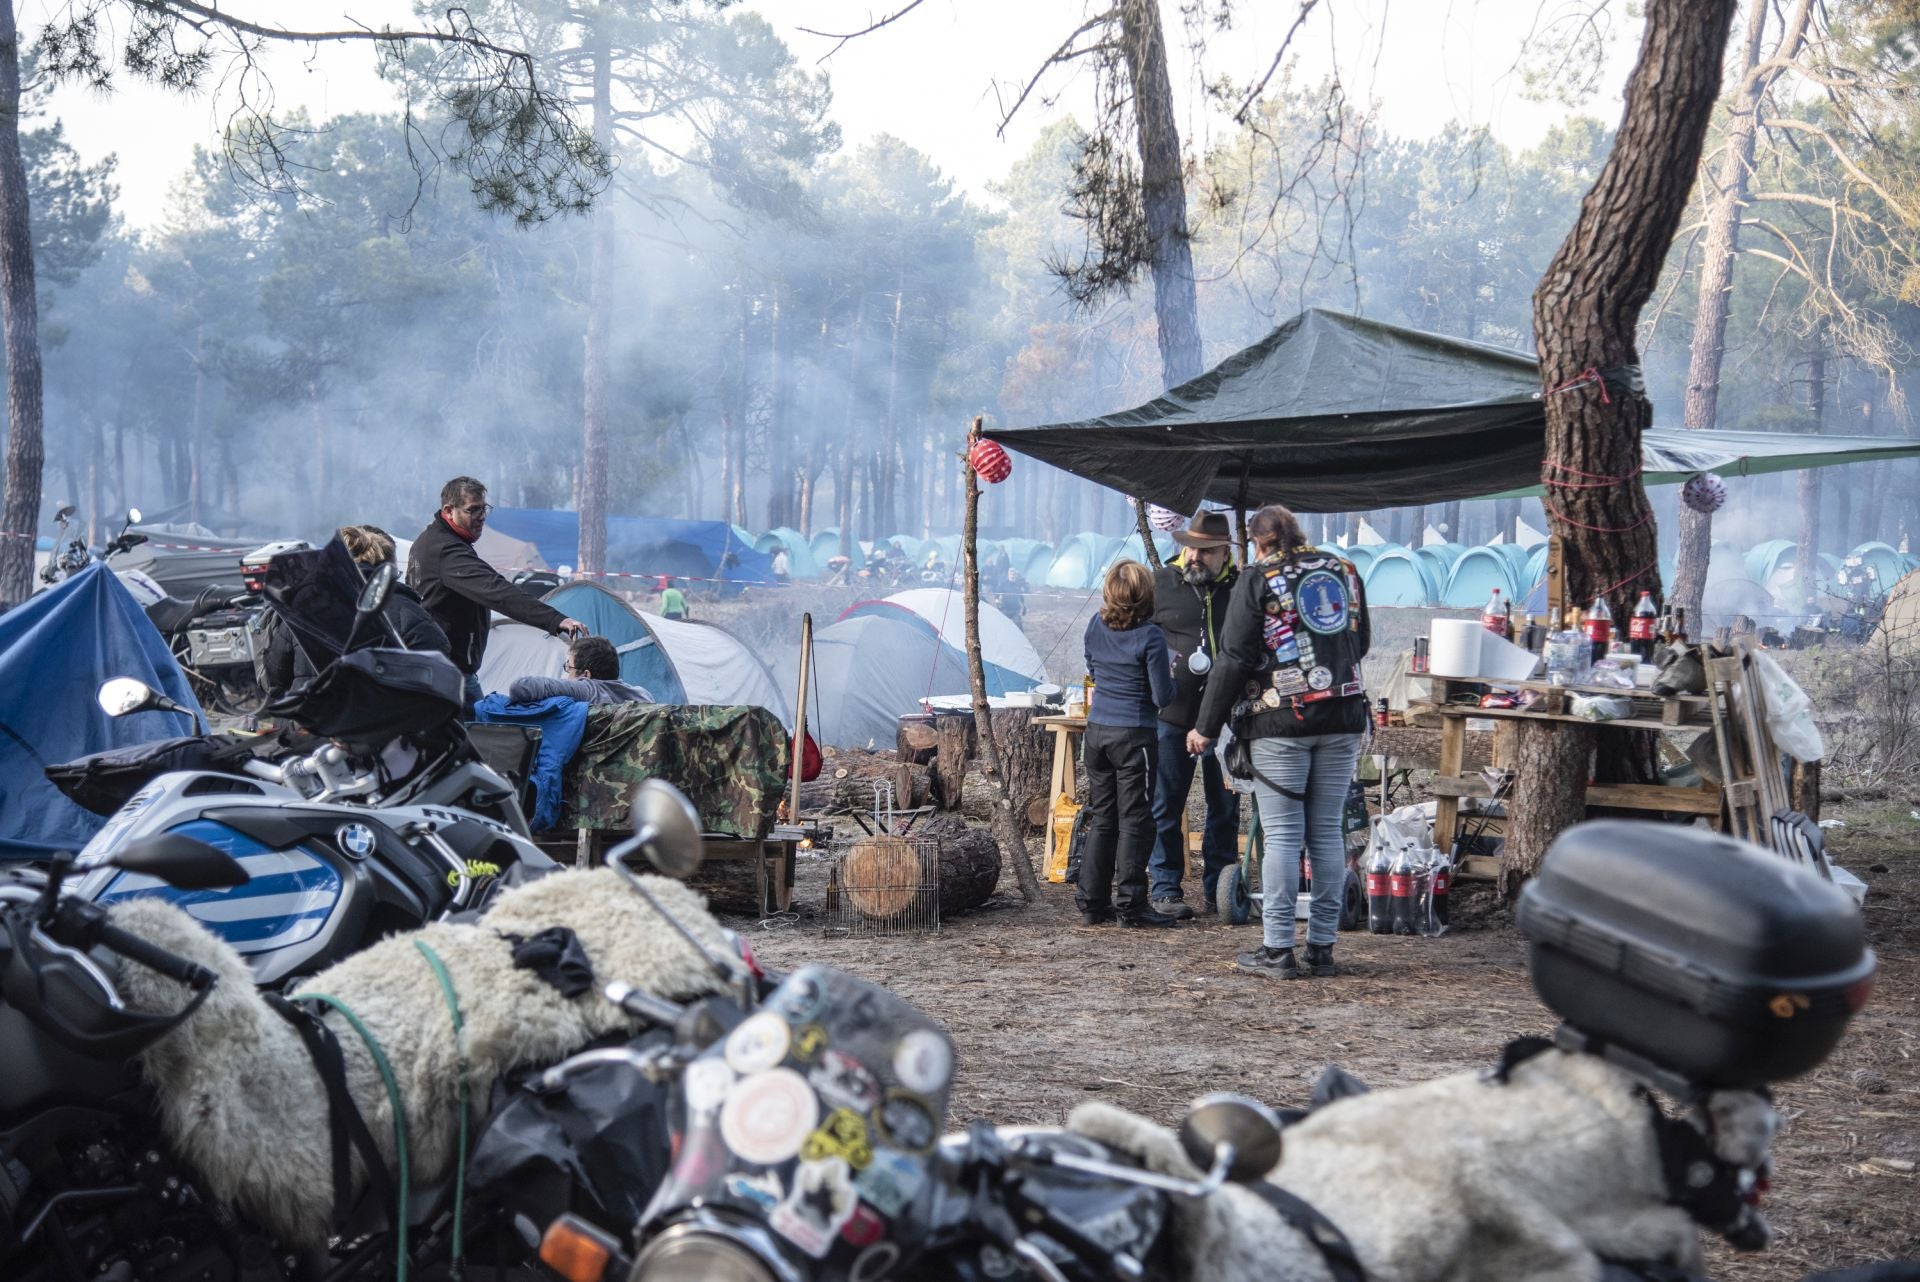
(1047, 1013)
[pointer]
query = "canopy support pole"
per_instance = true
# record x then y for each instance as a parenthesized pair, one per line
(800, 717)
(1005, 824)
(1240, 514)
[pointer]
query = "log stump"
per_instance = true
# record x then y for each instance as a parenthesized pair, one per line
(882, 877)
(969, 862)
(1026, 754)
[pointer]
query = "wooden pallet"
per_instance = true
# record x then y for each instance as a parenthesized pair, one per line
(1754, 788)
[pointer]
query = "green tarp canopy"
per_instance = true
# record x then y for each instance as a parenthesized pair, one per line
(1333, 413)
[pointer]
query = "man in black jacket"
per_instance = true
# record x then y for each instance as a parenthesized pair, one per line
(461, 591)
(1190, 602)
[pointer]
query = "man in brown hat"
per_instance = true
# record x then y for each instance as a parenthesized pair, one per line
(1190, 603)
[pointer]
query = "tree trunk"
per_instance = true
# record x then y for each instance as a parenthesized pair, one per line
(953, 748)
(780, 448)
(969, 862)
(20, 317)
(848, 777)
(1807, 561)
(1006, 821)
(596, 358)
(1585, 313)
(1163, 191)
(843, 478)
(1719, 244)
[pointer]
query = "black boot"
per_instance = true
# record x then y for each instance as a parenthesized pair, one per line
(1147, 917)
(1320, 960)
(1274, 963)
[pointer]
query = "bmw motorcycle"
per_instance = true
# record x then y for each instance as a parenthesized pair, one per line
(383, 818)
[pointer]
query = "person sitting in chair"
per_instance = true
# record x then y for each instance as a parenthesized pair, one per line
(592, 676)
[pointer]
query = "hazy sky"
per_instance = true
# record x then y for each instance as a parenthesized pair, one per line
(936, 78)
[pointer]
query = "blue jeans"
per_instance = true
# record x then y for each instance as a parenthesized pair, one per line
(473, 694)
(1319, 768)
(1220, 844)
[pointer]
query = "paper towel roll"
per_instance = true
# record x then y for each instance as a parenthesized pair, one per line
(1453, 648)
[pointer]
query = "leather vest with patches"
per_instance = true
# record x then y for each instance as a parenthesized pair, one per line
(1311, 600)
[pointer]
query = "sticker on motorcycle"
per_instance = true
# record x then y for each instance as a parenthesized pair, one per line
(761, 1190)
(808, 1039)
(802, 999)
(891, 1182)
(768, 1116)
(905, 1123)
(923, 1061)
(874, 1263)
(842, 1135)
(864, 1227)
(759, 1043)
(843, 1081)
(705, 1085)
(822, 1200)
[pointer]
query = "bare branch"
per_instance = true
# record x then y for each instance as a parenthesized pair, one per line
(841, 37)
(1253, 95)
(1064, 54)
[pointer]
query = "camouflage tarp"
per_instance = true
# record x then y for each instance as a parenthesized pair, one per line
(731, 762)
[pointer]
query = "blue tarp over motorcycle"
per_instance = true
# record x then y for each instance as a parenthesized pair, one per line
(55, 650)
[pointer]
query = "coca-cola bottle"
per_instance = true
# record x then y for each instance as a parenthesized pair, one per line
(1379, 900)
(1643, 629)
(1400, 890)
(1442, 883)
(1494, 618)
(1420, 891)
(1599, 628)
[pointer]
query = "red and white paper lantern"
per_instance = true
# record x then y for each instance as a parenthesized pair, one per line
(990, 461)
(1165, 520)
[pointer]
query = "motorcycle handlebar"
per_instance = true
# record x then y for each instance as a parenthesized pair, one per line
(154, 958)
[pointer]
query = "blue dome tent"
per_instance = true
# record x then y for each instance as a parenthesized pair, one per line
(1438, 558)
(800, 562)
(1474, 577)
(1765, 561)
(1361, 554)
(642, 545)
(1130, 549)
(1080, 560)
(826, 545)
(1397, 577)
(1888, 566)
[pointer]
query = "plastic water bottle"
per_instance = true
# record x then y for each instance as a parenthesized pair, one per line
(1400, 890)
(1420, 891)
(1379, 900)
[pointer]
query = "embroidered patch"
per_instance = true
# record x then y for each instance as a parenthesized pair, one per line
(1324, 602)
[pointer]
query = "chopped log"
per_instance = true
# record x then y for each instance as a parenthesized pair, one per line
(881, 876)
(1026, 754)
(953, 732)
(848, 775)
(969, 862)
(916, 740)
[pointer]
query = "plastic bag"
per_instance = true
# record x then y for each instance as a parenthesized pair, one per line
(1602, 707)
(1789, 711)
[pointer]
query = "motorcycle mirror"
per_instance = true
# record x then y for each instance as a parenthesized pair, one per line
(61, 517)
(182, 862)
(667, 828)
(124, 696)
(373, 597)
(133, 516)
(1242, 1130)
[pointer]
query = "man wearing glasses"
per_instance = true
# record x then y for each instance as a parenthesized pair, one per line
(462, 591)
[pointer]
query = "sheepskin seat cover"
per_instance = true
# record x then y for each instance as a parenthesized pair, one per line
(239, 1098)
(1461, 1179)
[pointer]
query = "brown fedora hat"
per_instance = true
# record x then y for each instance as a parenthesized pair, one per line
(1208, 530)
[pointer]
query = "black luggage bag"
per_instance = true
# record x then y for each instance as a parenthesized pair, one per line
(1713, 958)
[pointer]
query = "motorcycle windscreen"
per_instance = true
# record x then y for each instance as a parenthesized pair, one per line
(314, 593)
(286, 901)
(818, 1116)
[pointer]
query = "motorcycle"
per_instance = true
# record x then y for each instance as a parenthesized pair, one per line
(384, 820)
(219, 638)
(75, 556)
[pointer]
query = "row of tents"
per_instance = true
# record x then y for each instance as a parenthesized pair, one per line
(879, 659)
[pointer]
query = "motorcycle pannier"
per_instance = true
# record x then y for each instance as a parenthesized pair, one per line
(1716, 959)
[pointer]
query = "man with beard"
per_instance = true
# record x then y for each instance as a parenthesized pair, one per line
(1190, 602)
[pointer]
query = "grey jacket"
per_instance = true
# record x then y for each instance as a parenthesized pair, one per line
(585, 689)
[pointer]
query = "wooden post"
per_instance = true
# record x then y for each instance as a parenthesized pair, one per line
(1556, 577)
(1006, 825)
(800, 717)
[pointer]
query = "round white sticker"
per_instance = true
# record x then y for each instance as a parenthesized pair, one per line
(759, 1043)
(768, 1116)
(923, 1061)
(706, 1084)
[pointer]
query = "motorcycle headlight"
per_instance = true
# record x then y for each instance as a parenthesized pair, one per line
(691, 1255)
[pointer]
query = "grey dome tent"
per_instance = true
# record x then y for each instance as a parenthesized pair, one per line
(870, 669)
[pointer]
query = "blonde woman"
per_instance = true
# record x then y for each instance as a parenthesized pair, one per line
(1132, 680)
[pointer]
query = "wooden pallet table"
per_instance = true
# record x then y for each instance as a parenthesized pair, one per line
(1652, 712)
(763, 882)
